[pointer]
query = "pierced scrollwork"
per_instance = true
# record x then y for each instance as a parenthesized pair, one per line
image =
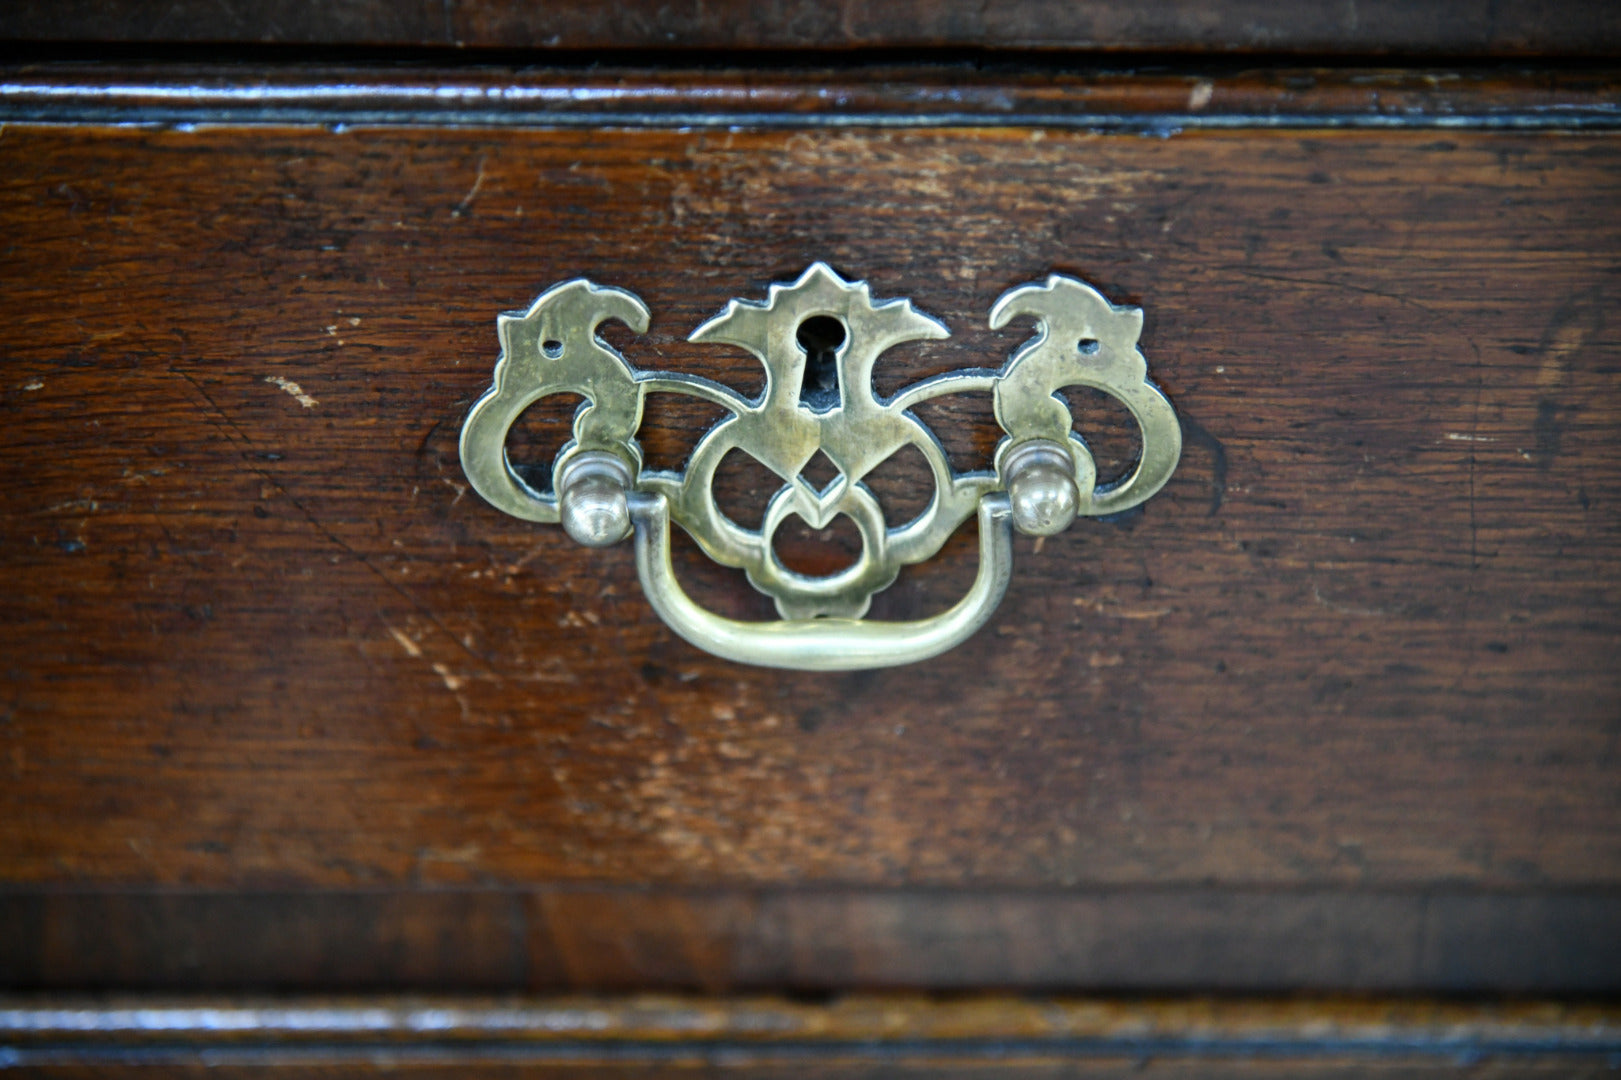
(1081, 339)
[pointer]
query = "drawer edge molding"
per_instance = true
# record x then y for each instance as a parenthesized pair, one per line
(879, 95)
(749, 1032)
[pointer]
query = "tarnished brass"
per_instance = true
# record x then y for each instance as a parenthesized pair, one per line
(1044, 475)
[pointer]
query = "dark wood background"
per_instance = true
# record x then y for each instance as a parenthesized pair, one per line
(1338, 708)
(1540, 28)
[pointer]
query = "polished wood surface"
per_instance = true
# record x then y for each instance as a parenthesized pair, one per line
(1365, 637)
(1341, 700)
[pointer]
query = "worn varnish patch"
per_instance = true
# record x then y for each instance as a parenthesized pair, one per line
(1365, 637)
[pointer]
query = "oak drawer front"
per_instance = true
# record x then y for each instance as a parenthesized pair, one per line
(262, 641)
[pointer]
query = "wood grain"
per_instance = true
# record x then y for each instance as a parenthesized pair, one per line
(1403, 27)
(1366, 637)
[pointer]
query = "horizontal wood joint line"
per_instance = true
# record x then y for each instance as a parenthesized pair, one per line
(912, 96)
(139, 1029)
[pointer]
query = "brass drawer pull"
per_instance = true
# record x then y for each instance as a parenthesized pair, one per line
(1044, 475)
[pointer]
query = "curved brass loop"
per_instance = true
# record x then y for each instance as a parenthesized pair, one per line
(553, 348)
(1044, 475)
(484, 460)
(1084, 340)
(822, 644)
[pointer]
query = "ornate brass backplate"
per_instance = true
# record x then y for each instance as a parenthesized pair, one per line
(1044, 475)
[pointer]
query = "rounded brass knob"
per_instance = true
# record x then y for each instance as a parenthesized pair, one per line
(591, 501)
(1041, 488)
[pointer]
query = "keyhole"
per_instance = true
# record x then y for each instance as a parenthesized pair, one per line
(820, 336)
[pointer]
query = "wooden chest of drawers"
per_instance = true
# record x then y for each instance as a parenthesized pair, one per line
(289, 708)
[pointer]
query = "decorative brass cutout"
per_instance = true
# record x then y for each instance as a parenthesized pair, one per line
(1044, 475)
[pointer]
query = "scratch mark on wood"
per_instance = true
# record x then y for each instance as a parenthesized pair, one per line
(411, 648)
(1345, 609)
(453, 682)
(293, 390)
(472, 192)
(1101, 607)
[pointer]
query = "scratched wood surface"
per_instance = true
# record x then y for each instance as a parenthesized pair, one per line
(257, 633)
